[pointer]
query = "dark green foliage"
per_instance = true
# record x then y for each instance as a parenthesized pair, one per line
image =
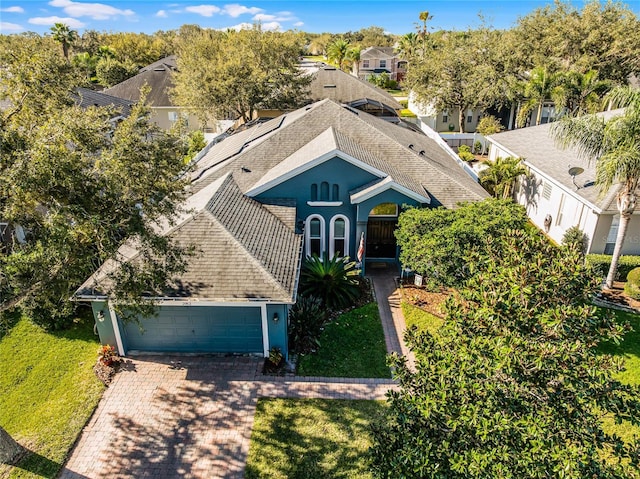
(110, 71)
(333, 280)
(601, 263)
(477, 147)
(575, 238)
(632, 286)
(513, 385)
(437, 243)
(464, 152)
(306, 320)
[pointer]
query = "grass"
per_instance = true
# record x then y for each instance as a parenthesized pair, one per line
(406, 113)
(315, 58)
(318, 438)
(421, 319)
(48, 391)
(351, 346)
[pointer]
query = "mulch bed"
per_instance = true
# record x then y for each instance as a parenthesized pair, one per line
(430, 301)
(617, 296)
(105, 373)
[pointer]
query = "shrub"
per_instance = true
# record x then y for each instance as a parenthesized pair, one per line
(464, 152)
(333, 280)
(477, 147)
(632, 287)
(574, 237)
(306, 319)
(601, 263)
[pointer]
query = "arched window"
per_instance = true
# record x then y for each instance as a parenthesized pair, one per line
(314, 192)
(339, 236)
(324, 191)
(335, 193)
(314, 235)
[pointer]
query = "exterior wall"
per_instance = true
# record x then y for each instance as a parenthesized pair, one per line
(631, 244)
(104, 324)
(395, 71)
(278, 331)
(161, 117)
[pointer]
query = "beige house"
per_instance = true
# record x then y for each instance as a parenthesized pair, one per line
(375, 60)
(560, 191)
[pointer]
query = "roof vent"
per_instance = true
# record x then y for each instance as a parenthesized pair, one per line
(422, 153)
(330, 86)
(411, 146)
(330, 68)
(245, 169)
(589, 183)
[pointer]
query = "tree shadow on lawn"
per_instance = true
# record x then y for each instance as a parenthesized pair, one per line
(34, 463)
(319, 438)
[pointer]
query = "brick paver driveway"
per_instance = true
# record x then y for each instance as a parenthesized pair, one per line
(191, 417)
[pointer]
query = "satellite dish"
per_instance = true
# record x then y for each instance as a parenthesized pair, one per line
(575, 171)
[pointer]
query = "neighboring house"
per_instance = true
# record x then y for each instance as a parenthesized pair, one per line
(86, 98)
(311, 181)
(376, 60)
(159, 77)
(560, 191)
(443, 121)
(332, 83)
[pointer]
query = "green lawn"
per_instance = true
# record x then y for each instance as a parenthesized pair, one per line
(311, 438)
(423, 320)
(351, 346)
(47, 392)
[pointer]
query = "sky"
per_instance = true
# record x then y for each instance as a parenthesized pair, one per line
(335, 16)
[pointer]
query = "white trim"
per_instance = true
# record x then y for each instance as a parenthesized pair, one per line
(347, 231)
(324, 203)
(307, 232)
(265, 330)
(335, 153)
(116, 328)
(369, 193)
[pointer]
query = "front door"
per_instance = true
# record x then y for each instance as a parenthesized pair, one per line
(381, 242)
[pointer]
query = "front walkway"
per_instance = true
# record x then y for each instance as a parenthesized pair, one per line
(191, 417)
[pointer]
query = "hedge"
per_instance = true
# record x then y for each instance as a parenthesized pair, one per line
(601, 263)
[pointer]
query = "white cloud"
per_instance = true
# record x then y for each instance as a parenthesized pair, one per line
(10, 27)
(161, 14)
(298, 24)
(96, 11)
(272, 26)
(239, 26)
(71, 22)
(204, 10)
(263, 17)
(12, 10)
(234, 10)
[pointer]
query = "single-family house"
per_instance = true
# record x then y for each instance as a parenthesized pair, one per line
(311, 181)
(560, 191)
(159, 78)
(376, 60)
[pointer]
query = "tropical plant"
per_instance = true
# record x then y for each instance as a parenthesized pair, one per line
(333, 280)
(407, 46)
(488, 125)
(614, 145)
(62, 34)
(499, 177)
(338, 53)
(306, 320)
(540, 86)
(86, 63)
(575, 238)
(579, 93)
(513, 384)
(464, 152)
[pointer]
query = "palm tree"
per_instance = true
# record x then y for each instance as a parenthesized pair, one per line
(615, 146)
(353, 59)
(407, 46)
(580, 93)
(538, 88)
(9, 448)
(499, 177)
(337, 53)
(65, 36)
(87, 63)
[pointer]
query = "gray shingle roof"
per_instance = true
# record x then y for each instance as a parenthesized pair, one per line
(539, 151)
(377, 52)
(86, 98)
(158, 76)
(408, 156)
(332, 83)
(243, 251)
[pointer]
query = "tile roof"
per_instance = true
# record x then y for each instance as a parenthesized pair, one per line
(408, 156)
(537, 148)
(243, 251)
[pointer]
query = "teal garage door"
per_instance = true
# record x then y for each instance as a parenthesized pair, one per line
(198, 329)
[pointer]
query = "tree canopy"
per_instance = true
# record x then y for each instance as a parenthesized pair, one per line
(235, 73)
(78, 186)
(438, 243)
(512, 385)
